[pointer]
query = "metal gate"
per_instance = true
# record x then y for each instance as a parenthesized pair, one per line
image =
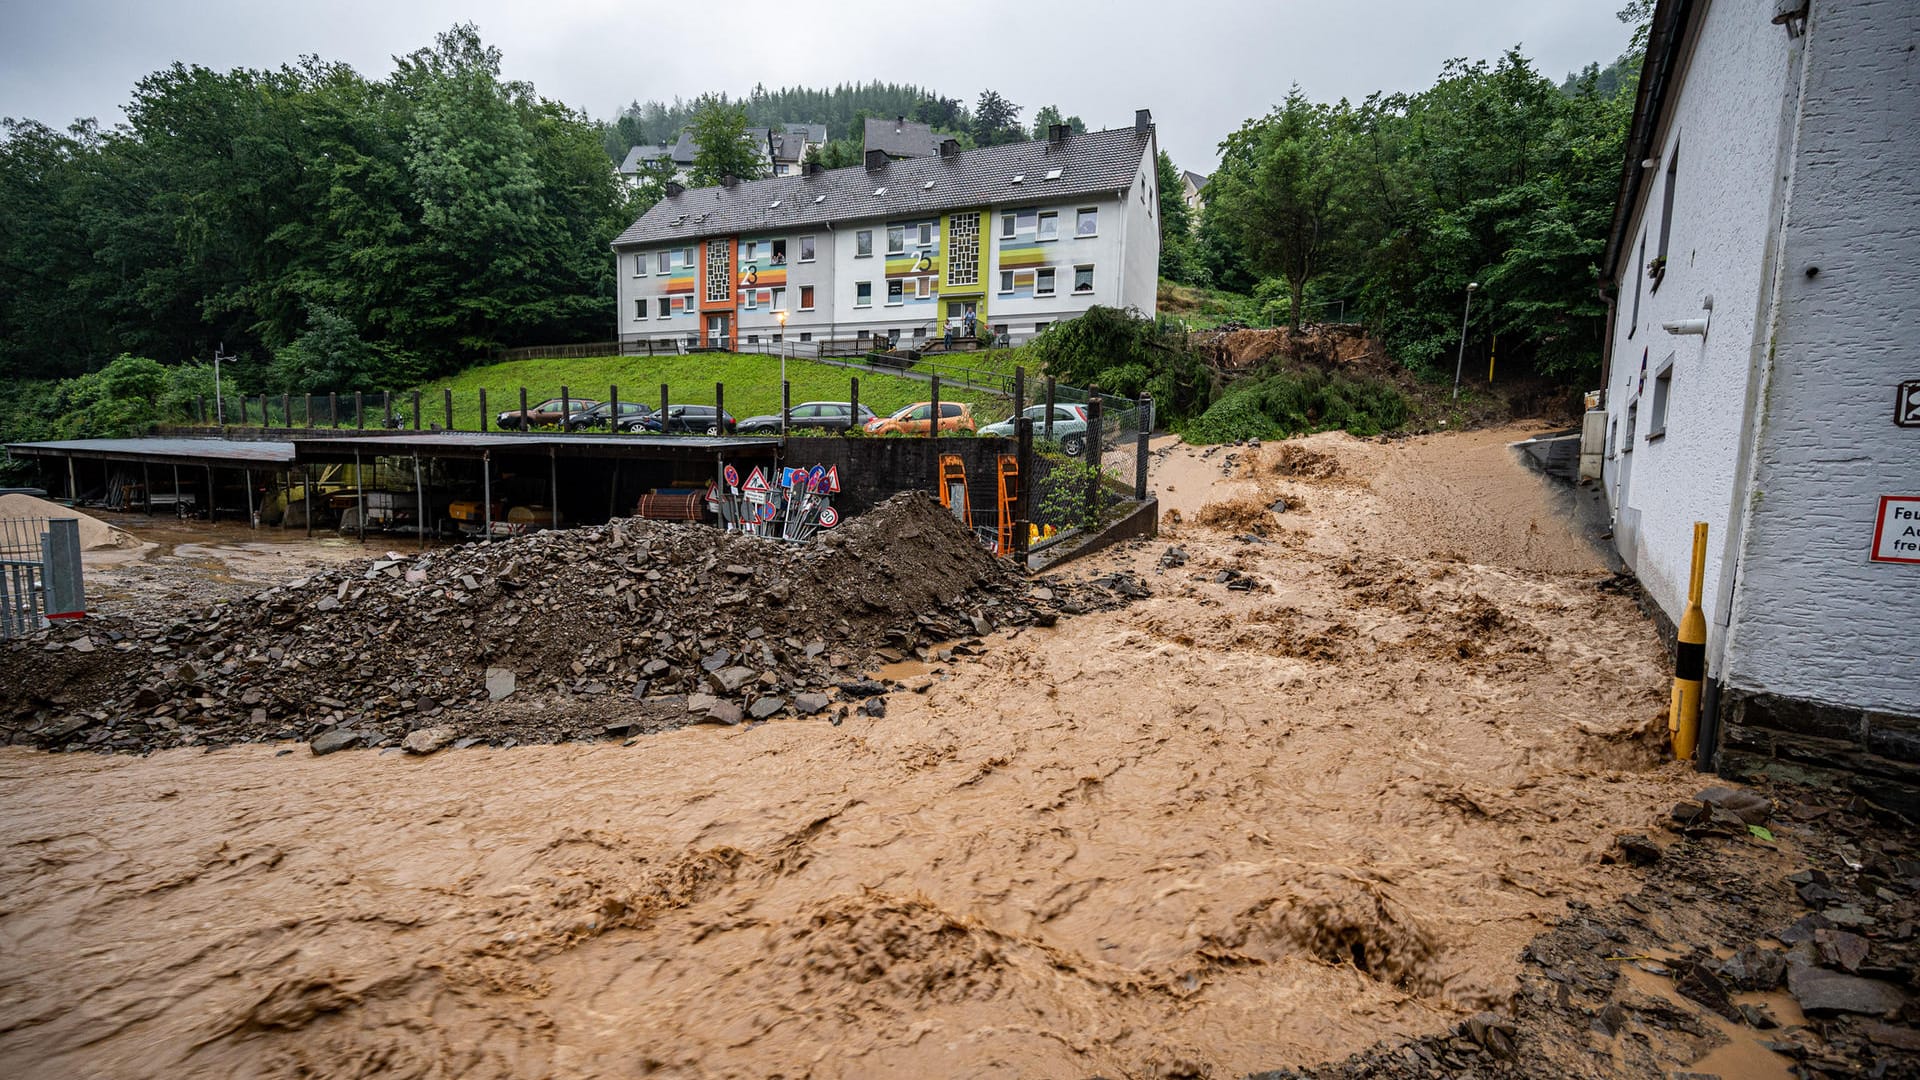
(40, 573)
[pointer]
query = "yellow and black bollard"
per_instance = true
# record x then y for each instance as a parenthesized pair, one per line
(1690, 657)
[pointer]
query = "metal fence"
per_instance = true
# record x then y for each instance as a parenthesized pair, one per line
(40, 573)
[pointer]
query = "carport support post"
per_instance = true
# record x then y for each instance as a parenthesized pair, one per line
(176, 481)
(1140, 449)
(523, 410)
(613, 411)
(933, 421)
(486, 487)
(286, 409)
(306, 479)
(447, 399)
(1019, 390)
(1048, 419)
(719, 408)
(359, 497)
(359, 411)
(1093, 455)
(1022, 498)
(483, 408)
(853, 403)
(333, 409)
(419, 502)
(246, 481)
(146, 489)
(663, 408)
(209, 494)
(566, 409)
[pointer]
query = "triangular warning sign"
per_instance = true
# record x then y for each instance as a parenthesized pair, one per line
(758, 480)
(833, 479)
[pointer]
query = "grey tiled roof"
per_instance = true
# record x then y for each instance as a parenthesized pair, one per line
(1100, 161)
(1194, 178)
(900, 138)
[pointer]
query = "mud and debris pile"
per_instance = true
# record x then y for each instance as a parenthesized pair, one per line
(626, 628)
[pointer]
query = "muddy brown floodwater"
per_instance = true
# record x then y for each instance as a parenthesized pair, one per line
(1318, 791)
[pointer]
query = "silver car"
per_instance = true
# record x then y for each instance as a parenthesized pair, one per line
(1069, 426)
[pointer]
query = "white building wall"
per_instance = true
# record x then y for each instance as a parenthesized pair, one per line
(1140, 245)
(1724, 126)
(1813, 617)
(1022, 310)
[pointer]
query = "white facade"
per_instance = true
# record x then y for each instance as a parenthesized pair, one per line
(1784, 192)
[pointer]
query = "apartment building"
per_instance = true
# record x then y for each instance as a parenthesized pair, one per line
(1013, 238)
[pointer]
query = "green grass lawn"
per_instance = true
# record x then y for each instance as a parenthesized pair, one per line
(752, 382)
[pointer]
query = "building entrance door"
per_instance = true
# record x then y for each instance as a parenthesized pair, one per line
(717, 331)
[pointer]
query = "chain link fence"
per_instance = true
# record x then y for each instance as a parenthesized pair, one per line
(40, 573)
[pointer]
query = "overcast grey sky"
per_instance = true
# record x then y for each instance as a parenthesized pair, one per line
(1202, 66)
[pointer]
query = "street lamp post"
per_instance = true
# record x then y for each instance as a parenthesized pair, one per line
(1472, 287)
(781, 317)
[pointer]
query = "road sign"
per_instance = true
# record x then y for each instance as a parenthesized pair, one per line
(1906, 406)
(833, 479)
(829, 517)
(733, 476)
(1896, 531)
(757, 481)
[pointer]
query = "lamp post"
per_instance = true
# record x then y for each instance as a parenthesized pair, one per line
(1472, 287)
(781, 318)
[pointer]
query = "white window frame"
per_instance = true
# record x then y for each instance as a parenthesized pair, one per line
(1081, 217)
(922, 288)
(640, 308)
(926, 234)
(686, 305)
(806, 298)
(664, 308)
(1077, 290)
(750, 300)
(896, 239)
(777, 300)
(863, 301)
(752, 252)
(806, 249)
(896, 289)
(640, 265)
(666, 262)
(777, 252)
(1040, 225)
(1662, 399)
(863, 238)
(1009, 226)
(1006, 282)
(1046, 272)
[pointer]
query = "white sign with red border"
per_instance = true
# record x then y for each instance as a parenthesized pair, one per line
(1896, 532)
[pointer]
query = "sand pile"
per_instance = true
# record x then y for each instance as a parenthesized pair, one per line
(636, 626)
(94, 533)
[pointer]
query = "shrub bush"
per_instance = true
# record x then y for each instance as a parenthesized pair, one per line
(1292, 403)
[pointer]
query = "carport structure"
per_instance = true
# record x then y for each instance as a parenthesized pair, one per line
(115, 462)
(582, 479)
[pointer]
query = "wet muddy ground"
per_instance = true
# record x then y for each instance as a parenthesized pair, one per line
(1316, 795)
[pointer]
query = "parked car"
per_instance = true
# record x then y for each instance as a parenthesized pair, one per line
(596, 417)
(809, 416)
(691, 419)
(913, 420)
(543, 414)
(1069, 426)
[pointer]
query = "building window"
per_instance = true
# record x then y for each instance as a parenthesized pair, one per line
(751, 299)
(779, 300)
(806, 298)
(640, 265)
(922, 288)
(919, 332)
(686, 257)
(1006, 281)
(1639, 279)
(719, 273)
(863, 294)
(863, 244)
(752, 251)
(806, 335)
(896, 240)
(779, 253)
(1088, 223)
(686, 305)
(753, 339)
(1043, 282)
(1009, 226)
(640, 309)
(1041, 327)
(1049, 225)
(864, 335)
(1083, 279)
(806, 249)
(999, 330)
(1666, 211)
(665, 306)
(963, 249)
(1662, 390)
(894, 293)
(664, 261)
(1633, 419)
(926, 234)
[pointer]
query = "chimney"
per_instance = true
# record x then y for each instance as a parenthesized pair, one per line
(949, 148)
(1142, 121)
(814, 168)
(876, 160)
(899, 124)
(675, 189)
(1057, 134)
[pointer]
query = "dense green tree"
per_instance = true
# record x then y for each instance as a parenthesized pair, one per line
(723, 145)
(996, 120)
(1049, 115)
(1179, 258)
(1278, 188)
